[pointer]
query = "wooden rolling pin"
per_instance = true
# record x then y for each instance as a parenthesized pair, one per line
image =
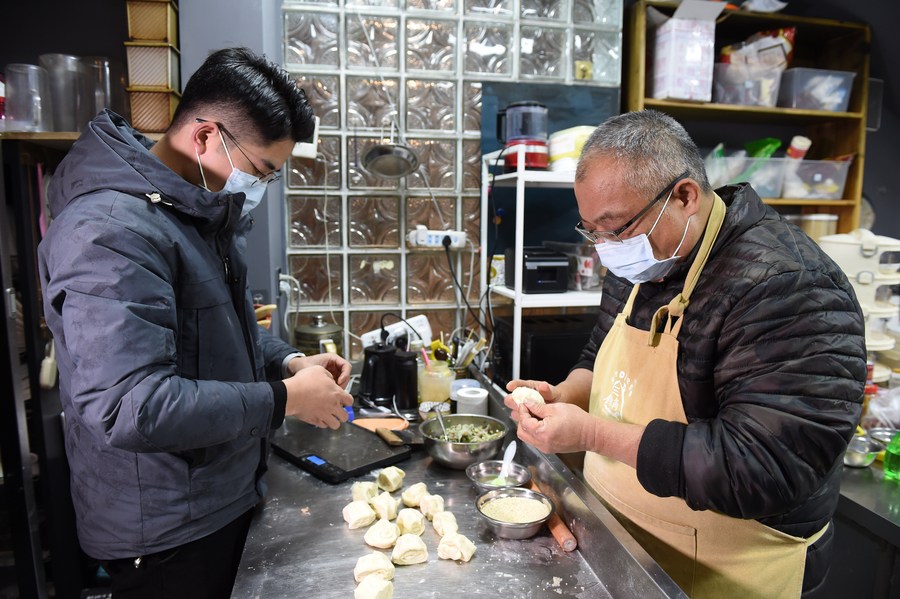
(558, 528)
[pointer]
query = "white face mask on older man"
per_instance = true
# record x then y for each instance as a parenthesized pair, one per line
(633, 259)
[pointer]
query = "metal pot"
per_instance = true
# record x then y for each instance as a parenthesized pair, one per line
(319, 337)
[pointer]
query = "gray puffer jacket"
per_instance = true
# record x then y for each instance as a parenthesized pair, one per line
(771, 367)
(162, 365)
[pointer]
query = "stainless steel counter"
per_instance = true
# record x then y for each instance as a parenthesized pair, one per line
(299, 545)
(871, 501)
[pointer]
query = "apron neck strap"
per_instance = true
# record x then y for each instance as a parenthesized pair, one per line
(675, 309)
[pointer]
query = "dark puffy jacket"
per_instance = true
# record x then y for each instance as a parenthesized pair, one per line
(162, 365)
(771, 367)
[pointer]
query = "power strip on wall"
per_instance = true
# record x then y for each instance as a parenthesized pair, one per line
(423, 237)
(396, 329)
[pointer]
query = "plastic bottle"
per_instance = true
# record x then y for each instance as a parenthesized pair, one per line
(894, 382)
(793, 186)
(892, 459)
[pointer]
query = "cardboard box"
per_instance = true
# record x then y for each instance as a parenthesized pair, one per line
(684, 51)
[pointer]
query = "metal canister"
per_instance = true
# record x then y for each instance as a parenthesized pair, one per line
(319, 337)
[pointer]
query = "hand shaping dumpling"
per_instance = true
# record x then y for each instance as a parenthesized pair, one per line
(410, 549)
(373, 587)
(358, 514)
(391, 478)
(413, 494)
(455, 546)
(521, 394)
(374, 564)
(383, 534)
(444, 523)
(431, 505)
(364, 491)
(411, 521)
(385, 506)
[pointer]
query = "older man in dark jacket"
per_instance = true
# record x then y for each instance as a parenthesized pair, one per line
(170, 388)
(724, 376)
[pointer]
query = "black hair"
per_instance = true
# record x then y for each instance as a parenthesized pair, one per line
(251, 95)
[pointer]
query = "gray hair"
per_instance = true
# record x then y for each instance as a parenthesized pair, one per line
(653, 146)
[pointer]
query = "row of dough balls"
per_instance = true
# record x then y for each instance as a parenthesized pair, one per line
(375, 571)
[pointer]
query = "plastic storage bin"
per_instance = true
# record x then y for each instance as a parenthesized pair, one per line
(815, 179)
(816, 89)
(742, 84)
(151, 111)
(766, 175)
(153, 20)
(153, 65)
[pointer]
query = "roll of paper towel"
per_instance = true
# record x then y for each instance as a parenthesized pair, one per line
(472, 400)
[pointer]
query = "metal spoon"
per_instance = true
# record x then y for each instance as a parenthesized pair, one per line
(437, 411)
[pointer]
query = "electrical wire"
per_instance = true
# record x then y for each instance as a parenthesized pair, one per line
(490, 254)
(458, 286)
(398, 317)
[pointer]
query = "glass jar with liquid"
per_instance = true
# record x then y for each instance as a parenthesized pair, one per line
(892, 458)
(434, 382)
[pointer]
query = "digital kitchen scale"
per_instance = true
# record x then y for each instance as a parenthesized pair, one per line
(334, 455)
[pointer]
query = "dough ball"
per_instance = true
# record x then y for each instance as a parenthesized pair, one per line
(364, 491)
(358, 514)
(413, 494)
(521, 394)
(374, 587)
(455, 546)
(385, 506)
(410, 549)
(444, 523)
(374, 564)
(390, 478)
(411, 521)
(431, 505)
(383, 534)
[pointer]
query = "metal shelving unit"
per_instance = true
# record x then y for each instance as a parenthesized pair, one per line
(523, 179)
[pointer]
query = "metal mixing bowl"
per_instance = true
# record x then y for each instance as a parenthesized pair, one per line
(509, 530)
(482, 473)
(882, 435)
(861, 451)
(460, 455)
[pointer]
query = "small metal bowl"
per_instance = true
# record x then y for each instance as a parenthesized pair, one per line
(482, 473)
(460, 455)
(861, 451)
(511, 530)
(882, 435)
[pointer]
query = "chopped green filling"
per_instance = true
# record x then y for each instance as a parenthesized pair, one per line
(470, 433)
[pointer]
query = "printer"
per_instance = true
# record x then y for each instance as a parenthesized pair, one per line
(543, 270)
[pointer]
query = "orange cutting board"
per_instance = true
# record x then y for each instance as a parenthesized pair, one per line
(393, 424)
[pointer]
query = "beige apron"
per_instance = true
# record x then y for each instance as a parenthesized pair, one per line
(708, 554)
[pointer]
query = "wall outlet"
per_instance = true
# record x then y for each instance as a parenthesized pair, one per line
(423, 237)
(395, 329)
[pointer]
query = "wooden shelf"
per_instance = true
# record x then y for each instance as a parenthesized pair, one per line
(821, 43)
(58, 140)
(735, 113)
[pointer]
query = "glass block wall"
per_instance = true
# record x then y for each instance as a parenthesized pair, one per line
(419, 64)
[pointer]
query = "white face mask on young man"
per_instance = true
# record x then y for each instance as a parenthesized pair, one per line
(633, 259)
(238, 182)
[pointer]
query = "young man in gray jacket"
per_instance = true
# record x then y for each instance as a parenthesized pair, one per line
(169, 387)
